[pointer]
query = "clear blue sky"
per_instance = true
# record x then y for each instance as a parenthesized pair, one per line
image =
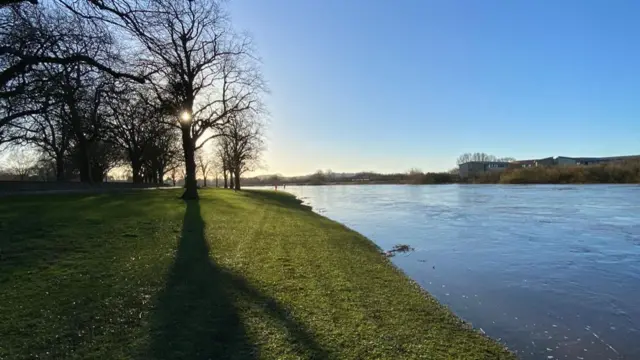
(389, 85)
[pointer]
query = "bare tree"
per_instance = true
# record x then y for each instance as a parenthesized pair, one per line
(163, 153)
(21, 163)
(34, 38)
(175, 173)
(85, 96)
(223, 154)
(481, 157)
(57, 105)
(468, 157)
(48, 131)
(136, 126)
(63, 55)
(129, 128)
(330, 175)
(415, 175)
(46, 128)
(317, 178)
(45, 168)
(30, 33)
(244, 144)
(201, 69)
(204, 162)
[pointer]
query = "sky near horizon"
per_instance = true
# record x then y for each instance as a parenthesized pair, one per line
(390, 85)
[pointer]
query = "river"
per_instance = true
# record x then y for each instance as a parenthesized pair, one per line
(551, 271)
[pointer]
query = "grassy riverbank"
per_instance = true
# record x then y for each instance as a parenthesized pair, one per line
(248, 275)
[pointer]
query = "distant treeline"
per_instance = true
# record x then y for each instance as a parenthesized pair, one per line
(627, 172)
(331, 178)
(608, 173)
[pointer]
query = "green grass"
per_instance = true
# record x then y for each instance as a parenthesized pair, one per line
(247, 275)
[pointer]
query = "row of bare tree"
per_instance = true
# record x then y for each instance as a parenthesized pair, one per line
(237, 151)
(481, 157)
(98, 83)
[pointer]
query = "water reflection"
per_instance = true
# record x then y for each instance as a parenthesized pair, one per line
(553, 271)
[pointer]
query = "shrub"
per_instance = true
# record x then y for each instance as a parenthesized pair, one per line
(486, 178)
(615, 172)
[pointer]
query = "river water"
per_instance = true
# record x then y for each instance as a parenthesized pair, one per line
(551, 271)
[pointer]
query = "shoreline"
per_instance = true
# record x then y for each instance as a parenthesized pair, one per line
(387, 259)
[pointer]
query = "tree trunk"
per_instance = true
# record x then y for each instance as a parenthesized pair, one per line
(59, 168)
(97, 174)
(205, 181)
(161, 175)
(135, 169)
(237, 179)
(84, 165)
(231, 181)
(216, 181)
(85, 171)
(224, 174)
(191, 184)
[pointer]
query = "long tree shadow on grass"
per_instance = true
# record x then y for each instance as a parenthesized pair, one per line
(196, 315)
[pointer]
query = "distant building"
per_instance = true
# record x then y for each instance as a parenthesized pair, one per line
(475, 168)
(565, 160)
(549, 161)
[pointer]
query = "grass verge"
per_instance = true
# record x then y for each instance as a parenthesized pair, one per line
(247, 275)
